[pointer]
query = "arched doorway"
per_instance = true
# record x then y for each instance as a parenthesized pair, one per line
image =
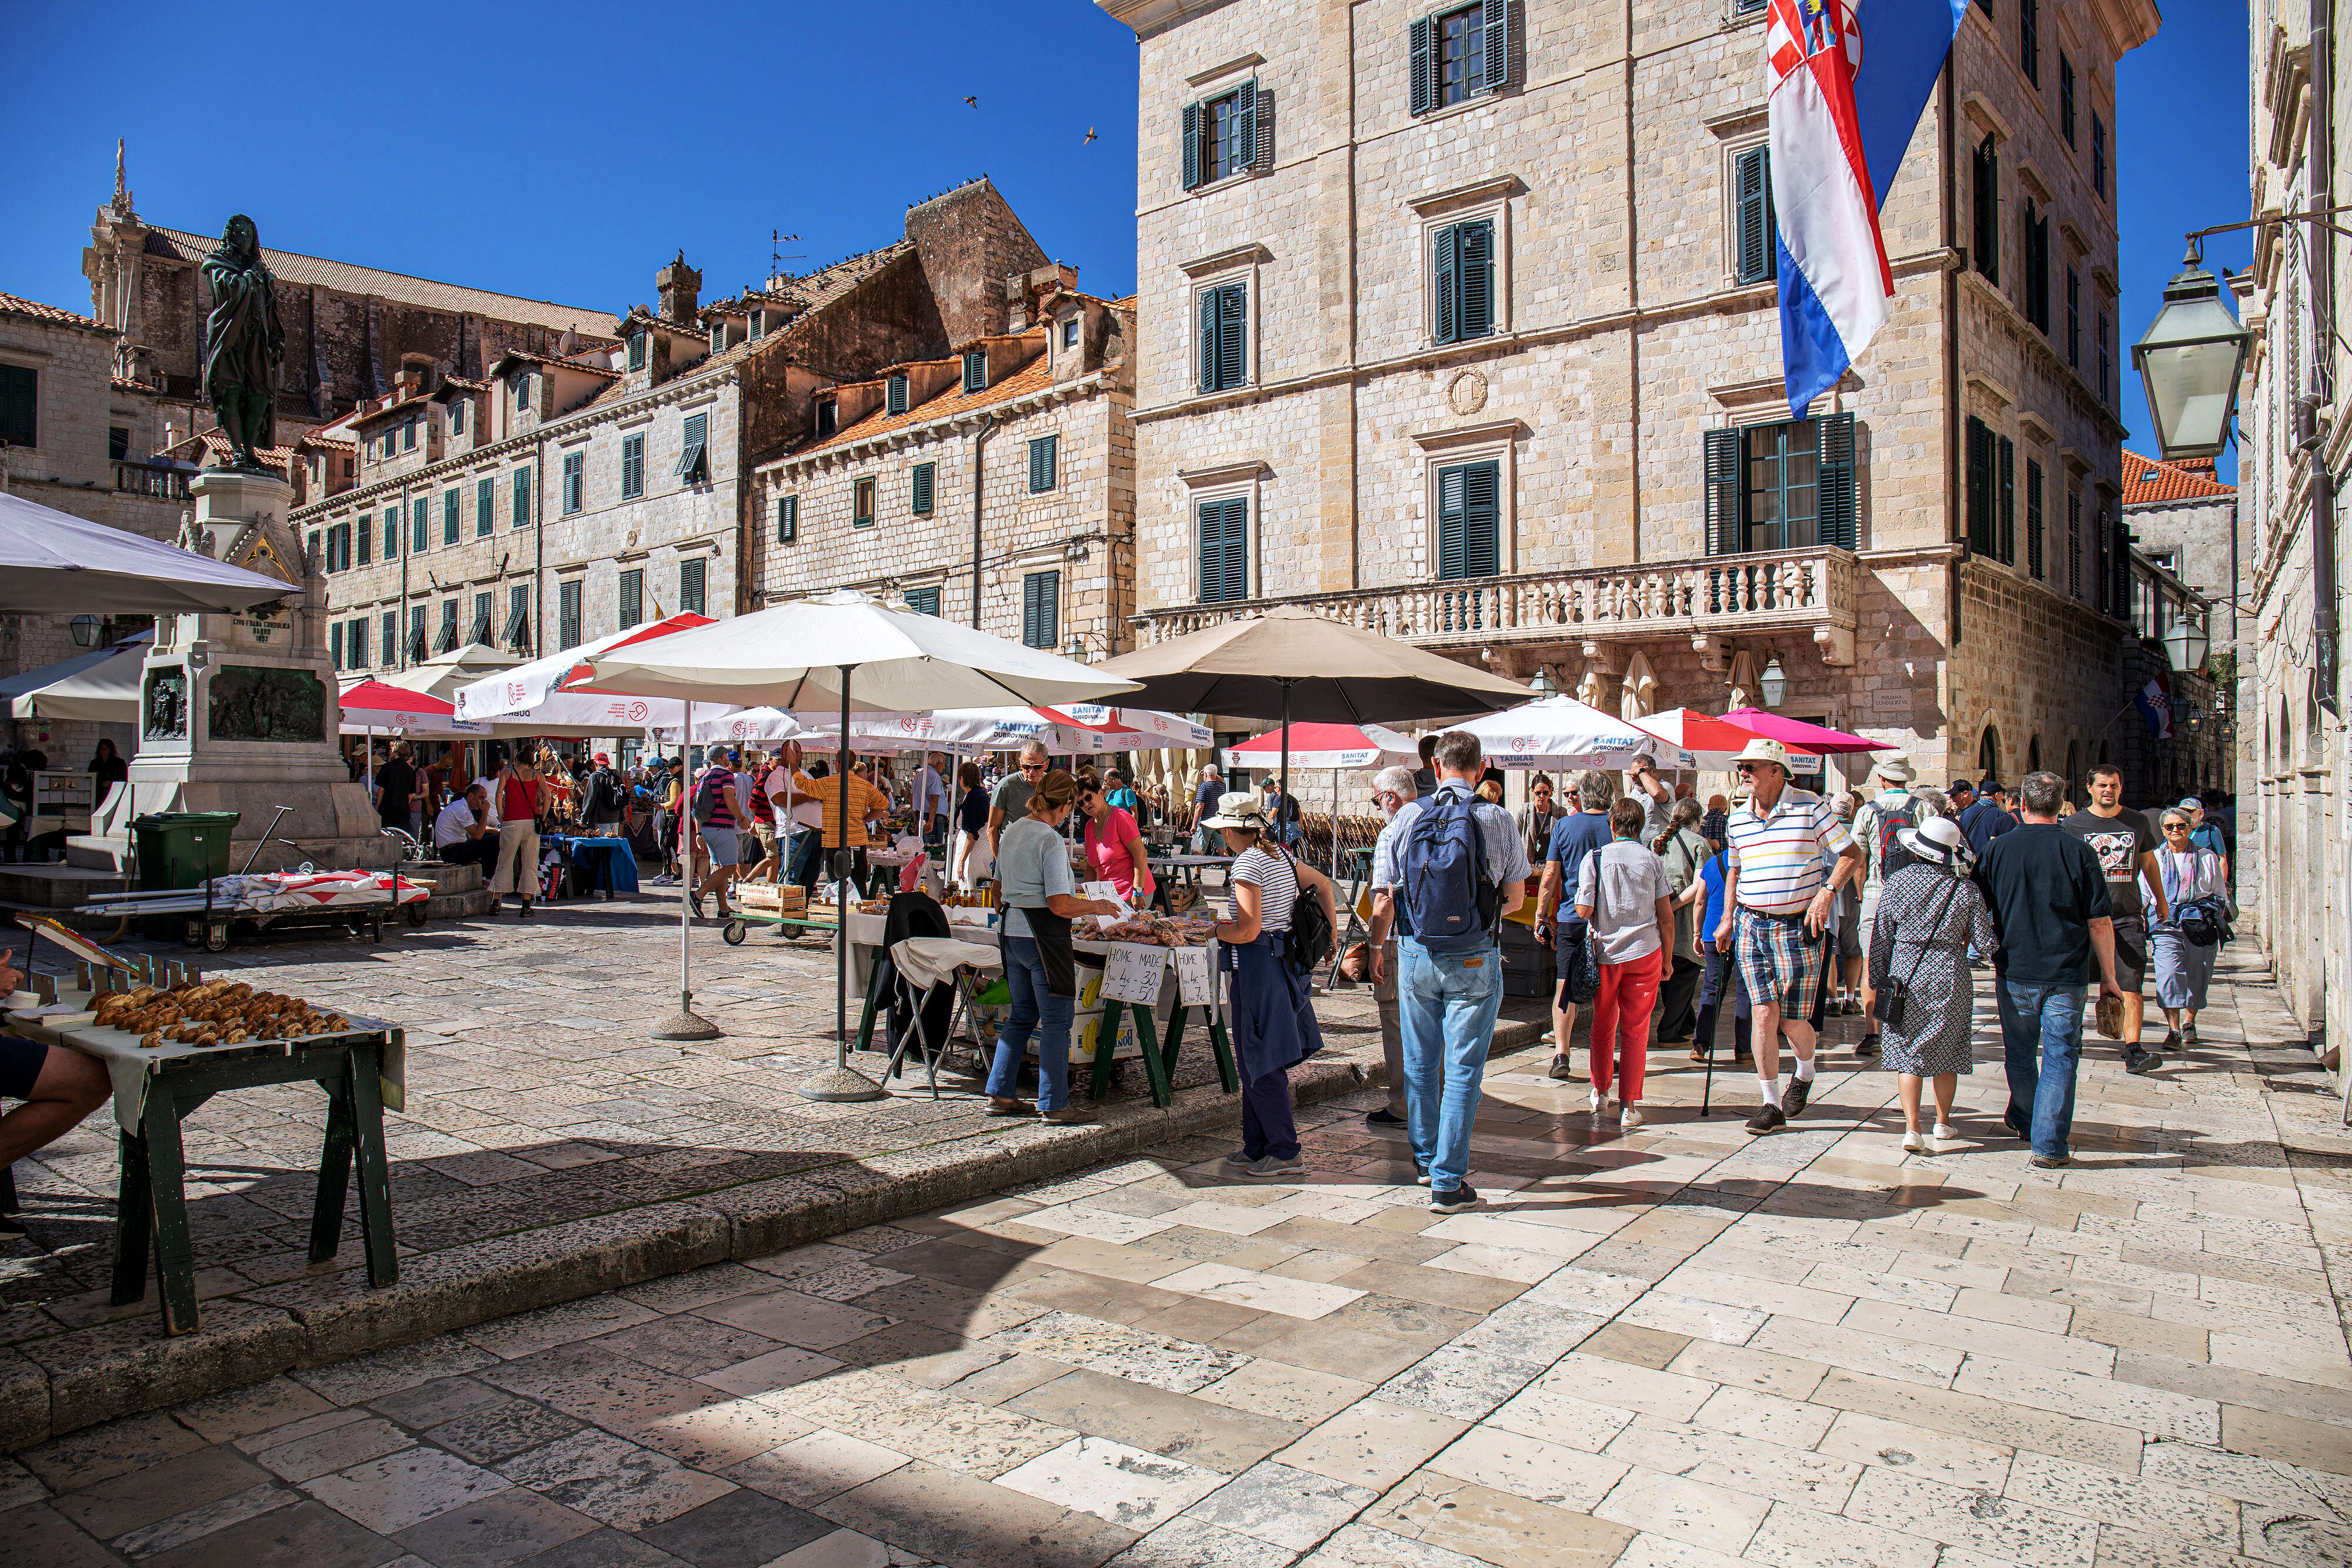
(2034, 755)
(1988, 754)
(2074, 766)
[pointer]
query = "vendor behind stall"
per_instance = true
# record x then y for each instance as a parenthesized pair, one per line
(1033, 869)
(59, 1086)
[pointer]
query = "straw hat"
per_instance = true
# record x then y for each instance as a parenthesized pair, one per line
(1762, 750)
(1936, 839)
(1894, 769)
(1238, 809)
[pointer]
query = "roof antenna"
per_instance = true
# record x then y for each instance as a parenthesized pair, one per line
(777, 255)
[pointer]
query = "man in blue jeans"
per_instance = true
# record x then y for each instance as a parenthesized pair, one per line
(1449, 986)
(2048, 894)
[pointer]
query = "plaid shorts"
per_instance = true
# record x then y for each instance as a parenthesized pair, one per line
(1777, 962)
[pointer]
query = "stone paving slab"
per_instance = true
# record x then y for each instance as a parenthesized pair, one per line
(1807, 1351)
(549, 1150)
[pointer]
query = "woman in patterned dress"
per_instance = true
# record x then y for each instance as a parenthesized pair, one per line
(1929, 914)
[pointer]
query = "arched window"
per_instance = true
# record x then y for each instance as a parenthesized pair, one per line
(2034, 755)
(1988, 754)
(2074, 766)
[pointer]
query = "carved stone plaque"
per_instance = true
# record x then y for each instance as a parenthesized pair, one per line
(164, 714)
(254, 703)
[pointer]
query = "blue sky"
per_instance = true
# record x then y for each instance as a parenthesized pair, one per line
(565, 152)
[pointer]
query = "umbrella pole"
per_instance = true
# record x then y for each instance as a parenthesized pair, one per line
(842, 1083)
(688, 1024)
(1282, 802)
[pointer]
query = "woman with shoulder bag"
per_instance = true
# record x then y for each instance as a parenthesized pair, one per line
(1683, 852)
(1917, 986)
(2196, 877)
(1270, 1006)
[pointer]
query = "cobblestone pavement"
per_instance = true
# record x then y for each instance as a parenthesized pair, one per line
(1681, 1347)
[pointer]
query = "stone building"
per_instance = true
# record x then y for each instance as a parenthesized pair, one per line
(1039, 412)
(2296, 448)
(77, 437)
(1459, 321)
(2185, 526)
(560, 496)
(351, 330)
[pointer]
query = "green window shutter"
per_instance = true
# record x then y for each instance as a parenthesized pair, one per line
(420, 527)
(1451, 522)
(517, 637)
(1722, 475)
(1475, 268)
(2008, 500)
(1753, 241)
(920, 498)
(481, 629)
(693, 463)
(2034, 518)
(1980, 486)
(335, 644)
(1497, 24)
(1482, 519)
(522, 498)
(482, 506)
(366, 528)
(1444, 272)
(1839, 522)
(1988, 209)
(574, 464)
(567, 614)
(632, 598)
(923, 601)
(1224, 550)
(690, 585)
(388, 637)
(450, 503)
(1246, 110)
(896, 393)
(1191, 145)
(1423, 40)
(1041, 605)
(788, 519)
(633, 466)
(448, 626)
(1208, 336)
(1042, 455)
(975, 370)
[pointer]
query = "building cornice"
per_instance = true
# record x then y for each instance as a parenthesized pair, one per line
(1149, 16)
(945, 424)
(1477, 194)
(1247, 255)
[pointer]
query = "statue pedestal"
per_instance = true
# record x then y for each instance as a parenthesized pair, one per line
(239, 712)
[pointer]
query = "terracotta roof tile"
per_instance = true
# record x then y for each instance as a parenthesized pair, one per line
(124, 383)
(2151, 480)
(1034, 376)
(17, 305)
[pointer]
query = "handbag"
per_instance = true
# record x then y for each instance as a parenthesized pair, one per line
(1580, 962)
(1893, 998)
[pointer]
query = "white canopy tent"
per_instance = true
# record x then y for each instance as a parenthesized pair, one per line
(1562, 732)
(52, 560)
(101, 687)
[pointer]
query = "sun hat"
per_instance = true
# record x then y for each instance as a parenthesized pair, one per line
(1938, 839)
(1238, 809)
(1894, 769)
(1762, 750)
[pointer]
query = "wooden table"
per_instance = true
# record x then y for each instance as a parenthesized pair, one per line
(156, 1088)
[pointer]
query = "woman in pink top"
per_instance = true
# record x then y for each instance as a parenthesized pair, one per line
(1115, 851)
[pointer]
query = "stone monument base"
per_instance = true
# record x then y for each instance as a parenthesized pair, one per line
(332, 824)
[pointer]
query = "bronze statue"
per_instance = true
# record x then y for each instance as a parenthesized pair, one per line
(243, 341)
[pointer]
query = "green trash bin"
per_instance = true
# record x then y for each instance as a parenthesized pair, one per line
(179, 849)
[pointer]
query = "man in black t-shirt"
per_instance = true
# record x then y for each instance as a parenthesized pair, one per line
(395, 787)
(2126, 847)
(2049, 898)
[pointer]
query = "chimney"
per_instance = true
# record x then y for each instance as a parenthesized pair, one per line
(2201, 466)
(681, 292)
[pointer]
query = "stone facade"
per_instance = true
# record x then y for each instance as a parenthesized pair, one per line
(2188, 536)
(1625, 331)
(81, 415)
(515, 551)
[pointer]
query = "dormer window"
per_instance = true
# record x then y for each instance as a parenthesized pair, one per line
(759, 325)
(828, 416)
(457, 413)
(1070, 333)
(718, 336)
(637, 350)
(975, 370)
(895, 392)
(522, 391)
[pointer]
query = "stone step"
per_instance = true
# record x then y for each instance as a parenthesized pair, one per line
(57, 886)
(469, 905)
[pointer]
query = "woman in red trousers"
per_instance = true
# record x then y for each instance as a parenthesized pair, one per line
(1623, 894)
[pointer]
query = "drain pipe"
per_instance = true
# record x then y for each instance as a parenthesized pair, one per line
(2309, 427)
(979, 443)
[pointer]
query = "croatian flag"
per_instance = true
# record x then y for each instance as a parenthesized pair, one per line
(1841, 115)
(2154, 700)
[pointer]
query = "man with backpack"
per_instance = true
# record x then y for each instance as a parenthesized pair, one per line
(1893, 810)
(603, 802)
(1445, 874)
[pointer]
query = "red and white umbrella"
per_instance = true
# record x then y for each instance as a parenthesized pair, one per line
(1321, 746)
(370, 706)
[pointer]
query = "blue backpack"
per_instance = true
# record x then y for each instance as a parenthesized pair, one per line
(1445, 900)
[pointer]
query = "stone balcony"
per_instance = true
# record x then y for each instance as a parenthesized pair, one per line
(1719, 599)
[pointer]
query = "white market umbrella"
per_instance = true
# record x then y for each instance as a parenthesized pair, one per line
(860, 655)
(442, 673)
(553, 694)
(52, 561)
(1562, 732)
(100, 687)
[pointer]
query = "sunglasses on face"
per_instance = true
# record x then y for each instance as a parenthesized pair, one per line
(2176, 827)
(1033, 767)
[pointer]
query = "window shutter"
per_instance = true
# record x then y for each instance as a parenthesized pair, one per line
(1482, 519)
(1980, 486)
(522, 498)
(1041, 452)
(632, 598)
(335, 644)
(1752, 203)
(919, 499)
(482, 503)
(2008, 501)
(2034, 518)
(1497, 23)
(1988, 210)
(2073, 545)
(1191, 145)
(1233, 335)
(1445, 273)
(1224, 550)
(1840, 516)
(975, 370)
(1040, 593)
(366, 529)
(1474, 266)
(19, 402)
(690, 585)
(1208, 307)
(420, 527)
(1451, 520)
(788, 519)
(1260, 151)
(895, 395)
(1245, 111)
(388, 636)
(1723, 492)
(1424, 64)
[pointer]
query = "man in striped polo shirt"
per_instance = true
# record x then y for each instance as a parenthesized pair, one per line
(1778, 898)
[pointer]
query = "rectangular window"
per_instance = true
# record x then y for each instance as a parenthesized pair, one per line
(1982, 505)
(1224, 337)
(452, 504)
(1070, 333)
(567, 614)
(517, 637)
(417, 646)
(364, 525)
(318, 548)
(788, 519)
(2074, 319)
(828, 416)
(918, 489)
(448, 639)
(2107, 337)
(632, 609)
(718, 336)
(694, 458)
(861, 503)
(420, 526)
(1782, 487)
(1224, 550)
(575, 481)
(2029, 39)
(975, 370)
(392, 534)
(1223, 135)
(2007, 472)
(335, 645)
(482, 630)
(690, 585)
(1462, 280)
(1469, 520)
(1043, 455)
(2099, 154)
(1987, 210)
(20, 389)
(457, 416)
(522, 498)
(2033, 519)
(923, 601)
(1041, 609)
(408, 435)
(484, 504)
(2073, 545)
(1755, 250)
(633, 466)
(118, 443)
(2066, 100)
(637, 350)
(2036, 236)
(389, 637)
(523, 392)
(356, 645)
(893, 392)
(1460, 53)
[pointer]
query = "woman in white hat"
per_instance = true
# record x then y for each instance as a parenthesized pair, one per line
(1919, 990)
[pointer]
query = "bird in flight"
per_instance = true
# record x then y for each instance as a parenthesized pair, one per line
(972, 99)
(1090, 136)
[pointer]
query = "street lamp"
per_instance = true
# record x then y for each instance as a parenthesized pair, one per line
(1773, 682)
(1543, 685)
(2185, 644)
(2189, 362)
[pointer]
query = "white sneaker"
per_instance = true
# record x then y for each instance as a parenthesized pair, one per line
(1598, 1100)
(1912, 1143)
(1946, 1133)
(1629, 1118)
